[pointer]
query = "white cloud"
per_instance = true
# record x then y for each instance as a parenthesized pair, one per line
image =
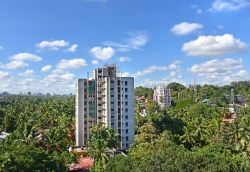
(135, 41)
(124, 59)
(172, 67)
(67, 76)
(95, 62)
(46, 68)
(15, 65)
(185, 28)
(1, 47)
(220, 71)
(152, 83)
(102, 53)
(72, 48)
(72, 63)
(229, 5)
(216, 66)
(26, 57)
(52, 45)
(214, 46)
(4, 75)
(26, 73)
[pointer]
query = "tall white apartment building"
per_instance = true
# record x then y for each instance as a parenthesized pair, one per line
(106, 99)
(162, 96)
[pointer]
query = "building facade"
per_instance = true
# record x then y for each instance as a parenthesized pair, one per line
(107, 99)
(162, 96)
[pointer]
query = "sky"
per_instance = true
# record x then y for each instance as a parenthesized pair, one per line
(45, 45)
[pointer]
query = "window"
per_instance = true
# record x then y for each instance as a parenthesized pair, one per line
(126, 131)
(111, 88)
(126, 124)
(126, 138)
(112, 95)
(126, 109)
(126, 96)
(126, 117)
(126, 103)
(126, 82)
(126, 89)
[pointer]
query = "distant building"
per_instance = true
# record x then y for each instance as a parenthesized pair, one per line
(106, 99)
(5, 93)
(162, 96)
(3, 135)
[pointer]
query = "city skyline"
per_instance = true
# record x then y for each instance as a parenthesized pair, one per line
(45, 46)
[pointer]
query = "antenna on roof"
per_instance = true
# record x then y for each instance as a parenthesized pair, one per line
(87, 75)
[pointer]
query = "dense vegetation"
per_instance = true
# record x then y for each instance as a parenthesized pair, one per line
(42, 128)
(191, 136)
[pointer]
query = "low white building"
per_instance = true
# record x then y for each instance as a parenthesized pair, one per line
(3, 135)
(162, 96)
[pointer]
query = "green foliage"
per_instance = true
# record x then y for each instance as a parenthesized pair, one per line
(143, 91)
(176, 86)
(24, 157)
(42, 128)
(101, 141)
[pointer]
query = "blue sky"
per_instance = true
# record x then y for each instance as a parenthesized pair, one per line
(45, 45)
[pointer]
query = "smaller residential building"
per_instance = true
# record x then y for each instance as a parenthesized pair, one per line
(162, 96)
(3, 135)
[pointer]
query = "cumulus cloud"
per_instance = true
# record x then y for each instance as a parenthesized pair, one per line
(72, 48)
(46, 68)
(214, 46)
(124, 59)
(172, 67)
(4, 75)
(229, 5)
(185, 28)
(26, 57)
(72, 63)
(26, 73)
(220, 71)
(102, 53)
(135, 41)
(57, 45)
(52, 45)
(15, 65)
(216, 66)
(95, 62)
(164, 81)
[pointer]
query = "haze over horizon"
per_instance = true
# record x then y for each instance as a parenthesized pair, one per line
(46, 45)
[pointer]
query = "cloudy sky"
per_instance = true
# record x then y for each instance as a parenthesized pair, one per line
(45, 45)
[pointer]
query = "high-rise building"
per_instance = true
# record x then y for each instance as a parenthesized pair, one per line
(162, 96)
(107, 99)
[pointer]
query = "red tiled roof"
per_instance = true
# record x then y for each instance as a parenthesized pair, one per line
(83, 165)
